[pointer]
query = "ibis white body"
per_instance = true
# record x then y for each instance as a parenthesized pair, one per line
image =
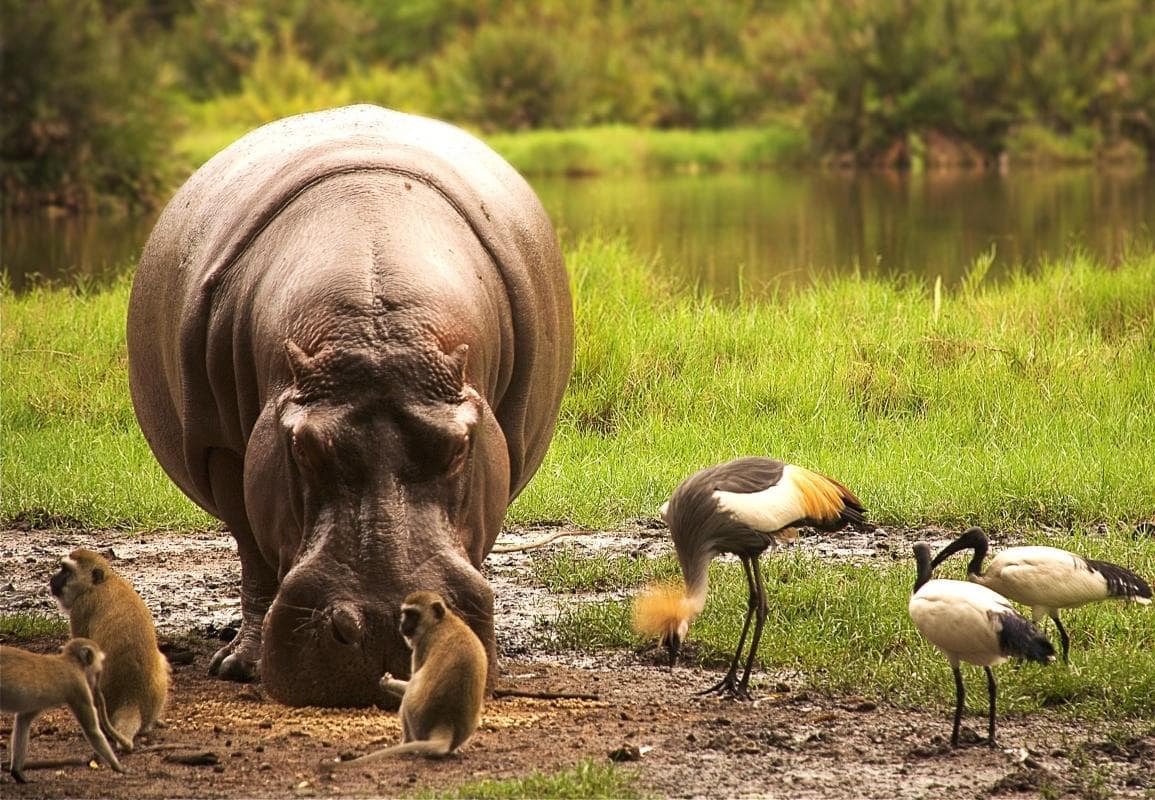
(962, 619)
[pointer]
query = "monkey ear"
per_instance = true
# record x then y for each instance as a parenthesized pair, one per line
(87, 655)
(98, 575)
(438, 610)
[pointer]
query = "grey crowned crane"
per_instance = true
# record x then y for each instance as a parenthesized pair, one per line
(742, 507)
(1046, 578)
(971, 623)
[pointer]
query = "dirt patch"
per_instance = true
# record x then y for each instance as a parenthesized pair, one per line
(229, 740)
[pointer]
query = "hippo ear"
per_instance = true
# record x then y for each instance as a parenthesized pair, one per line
(457, 363)
(300, 362)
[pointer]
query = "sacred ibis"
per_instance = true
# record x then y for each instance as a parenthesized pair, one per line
(971, 623)
(741, 507)
(1046, 578)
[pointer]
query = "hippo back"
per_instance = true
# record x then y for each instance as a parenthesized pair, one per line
(224, 207)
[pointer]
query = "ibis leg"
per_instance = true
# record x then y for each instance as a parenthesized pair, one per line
(992, 689)
(960, 694)
(728, 683)
(759, 622)
(1063, 637)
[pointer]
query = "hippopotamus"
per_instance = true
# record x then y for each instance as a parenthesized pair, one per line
(348, 338)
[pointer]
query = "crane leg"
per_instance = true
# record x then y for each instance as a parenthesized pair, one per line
(728, 684)
(992, 689)
(1063, 637)
(960, 694)
(760, 621)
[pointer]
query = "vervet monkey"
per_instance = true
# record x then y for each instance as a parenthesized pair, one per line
(103, 606)
(31, 683)
(441, 702)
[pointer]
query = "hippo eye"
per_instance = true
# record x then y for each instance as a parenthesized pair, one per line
(459, 452)
(310, 445)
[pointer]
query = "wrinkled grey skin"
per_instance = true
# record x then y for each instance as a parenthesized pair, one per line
(348, 338)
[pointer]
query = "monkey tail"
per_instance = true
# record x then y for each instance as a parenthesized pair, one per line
(439, 744)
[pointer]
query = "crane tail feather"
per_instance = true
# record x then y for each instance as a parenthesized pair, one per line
(827, 503)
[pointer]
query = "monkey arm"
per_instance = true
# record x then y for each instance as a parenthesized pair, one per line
(392, 686)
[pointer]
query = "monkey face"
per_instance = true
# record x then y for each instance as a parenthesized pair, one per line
(75, 577)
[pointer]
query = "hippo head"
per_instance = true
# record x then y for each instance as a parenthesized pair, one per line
(385, 455)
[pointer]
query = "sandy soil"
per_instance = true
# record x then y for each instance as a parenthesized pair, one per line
(229, 740)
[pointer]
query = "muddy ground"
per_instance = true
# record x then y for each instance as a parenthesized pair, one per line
(229, 740)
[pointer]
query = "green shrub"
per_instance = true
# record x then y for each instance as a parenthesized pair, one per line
(83, 116)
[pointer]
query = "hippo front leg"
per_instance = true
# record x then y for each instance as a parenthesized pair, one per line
(239, 659)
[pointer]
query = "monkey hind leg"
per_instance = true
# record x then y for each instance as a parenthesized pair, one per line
(127, 722)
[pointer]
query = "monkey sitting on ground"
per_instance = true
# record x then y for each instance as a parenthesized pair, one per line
(31, 683)
(441, 702)
(104, 607)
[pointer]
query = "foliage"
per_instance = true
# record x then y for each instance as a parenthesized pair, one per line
(890, 82)
(90, 119)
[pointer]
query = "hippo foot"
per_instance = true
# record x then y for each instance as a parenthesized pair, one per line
(231, 666)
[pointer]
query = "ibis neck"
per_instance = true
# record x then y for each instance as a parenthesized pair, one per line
(922, 559)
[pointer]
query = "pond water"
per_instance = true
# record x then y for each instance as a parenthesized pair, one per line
(747, 231)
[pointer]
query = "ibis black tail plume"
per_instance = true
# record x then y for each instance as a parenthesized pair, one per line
(1020, 638)
(1121, 582)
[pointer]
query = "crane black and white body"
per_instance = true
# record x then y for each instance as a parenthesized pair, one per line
(741, 507)
(1046, 578)
(971, 623)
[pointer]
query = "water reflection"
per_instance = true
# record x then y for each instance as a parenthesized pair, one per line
(759, 230)
(766, 229)
(90, 250)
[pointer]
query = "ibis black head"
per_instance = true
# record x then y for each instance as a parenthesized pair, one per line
(922, 559)
(972, 539)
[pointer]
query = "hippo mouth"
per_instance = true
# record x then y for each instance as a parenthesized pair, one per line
(332, 656)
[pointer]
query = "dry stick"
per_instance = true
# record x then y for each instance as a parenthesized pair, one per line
(517, 548)
(545, 695)
(55, 763)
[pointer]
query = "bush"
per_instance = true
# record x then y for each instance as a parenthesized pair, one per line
(89, 122)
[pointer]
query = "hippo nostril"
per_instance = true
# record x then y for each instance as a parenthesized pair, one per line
(347, 625)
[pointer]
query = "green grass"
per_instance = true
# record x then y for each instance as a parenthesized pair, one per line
(31, 626)
(586, 780)
(72, 447)
(1027, 402)
(615, 149)
(1024, 403)
(844, 626)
